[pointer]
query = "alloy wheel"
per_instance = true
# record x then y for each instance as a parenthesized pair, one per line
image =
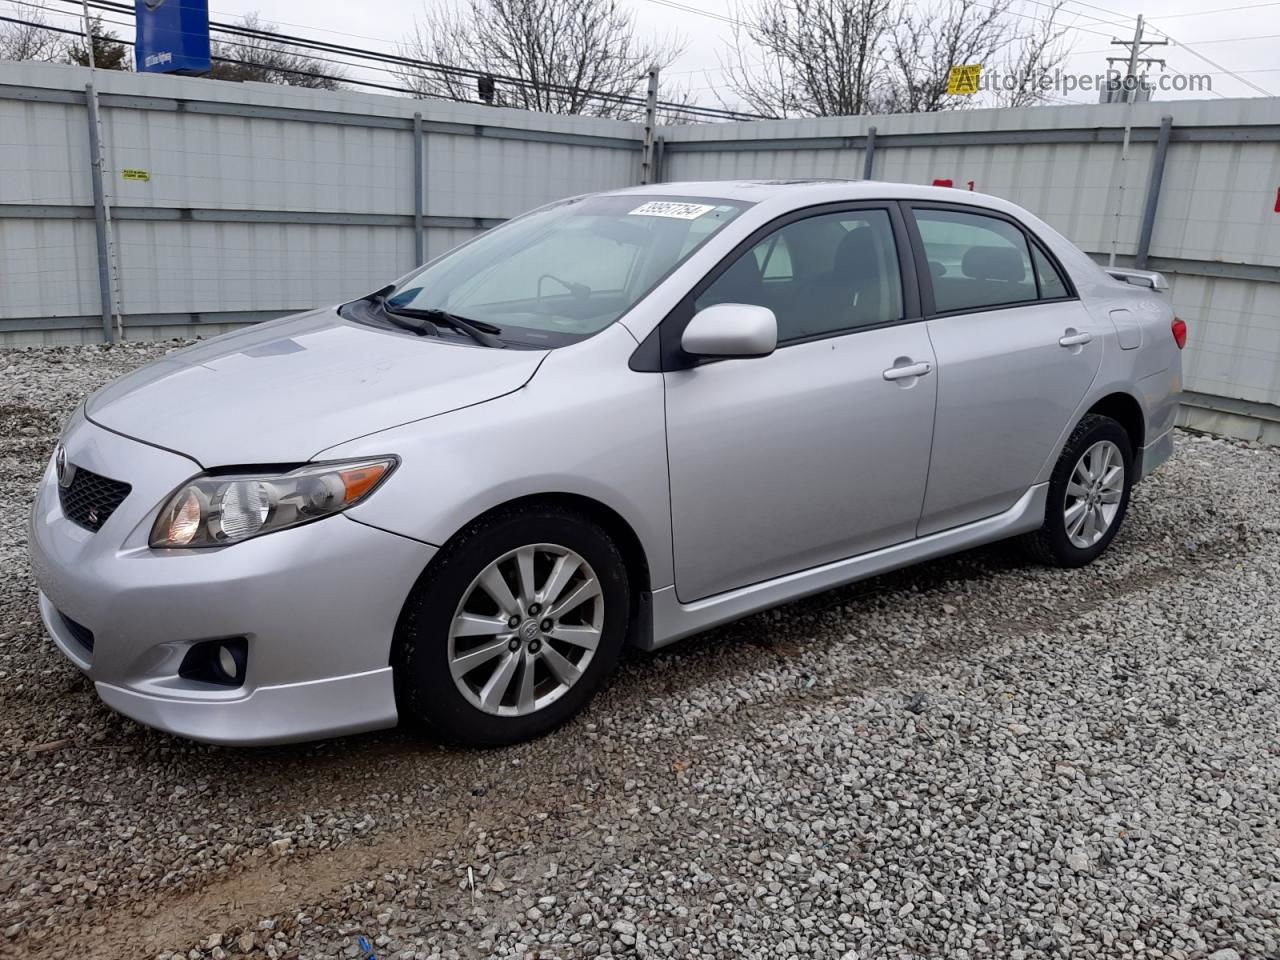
(526, 630)
(1093, 494)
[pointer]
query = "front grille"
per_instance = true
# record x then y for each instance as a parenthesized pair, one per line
(91, 499)
(83, 635)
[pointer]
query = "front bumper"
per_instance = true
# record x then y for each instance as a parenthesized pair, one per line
(318, 605)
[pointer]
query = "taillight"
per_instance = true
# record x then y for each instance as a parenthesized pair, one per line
(1179, 332)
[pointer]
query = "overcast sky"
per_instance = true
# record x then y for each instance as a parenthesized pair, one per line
(1240, 35)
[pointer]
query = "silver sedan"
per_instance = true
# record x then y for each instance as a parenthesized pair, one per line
(624, 417)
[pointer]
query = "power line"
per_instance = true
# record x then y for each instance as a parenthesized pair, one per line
(710, 14)
(1201, 43)
(1204, 13)
(231, 60)
(1056, 7)
(447, 70)
(1212, 63)
(676, 5)
(1223, 71)
(232, 43)
(1094, 6)
(691, 110)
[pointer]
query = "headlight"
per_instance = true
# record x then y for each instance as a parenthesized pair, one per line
(214, 511)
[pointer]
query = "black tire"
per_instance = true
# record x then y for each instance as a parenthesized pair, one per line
(1051, 544)
(426, 694)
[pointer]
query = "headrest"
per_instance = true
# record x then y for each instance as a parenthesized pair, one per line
(741, 283)
(993, 263)
(857, 251)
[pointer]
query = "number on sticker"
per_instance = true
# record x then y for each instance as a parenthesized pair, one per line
(668, 208)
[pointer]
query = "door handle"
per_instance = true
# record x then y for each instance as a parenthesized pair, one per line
(1075, 339)
(910, 370)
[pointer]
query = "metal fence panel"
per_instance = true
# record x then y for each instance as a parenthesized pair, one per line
(1216, 230)
(261, 200)
(48, 268)
(1218, 202)
(204, 228)
(1234, 349)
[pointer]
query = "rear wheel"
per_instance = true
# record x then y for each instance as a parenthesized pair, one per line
(1088, 495)
(513, 628)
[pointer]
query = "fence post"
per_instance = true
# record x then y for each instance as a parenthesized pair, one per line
(101, 221)
(650, 123)
(869, 153)
(419, 194)
(659, 159)
(1153, 194)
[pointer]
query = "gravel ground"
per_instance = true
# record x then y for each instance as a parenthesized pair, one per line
(976, 757)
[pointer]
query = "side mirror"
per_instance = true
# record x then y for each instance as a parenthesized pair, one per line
(731, 330)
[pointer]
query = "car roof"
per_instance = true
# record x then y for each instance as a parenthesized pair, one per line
(773, 198)
(803, 193)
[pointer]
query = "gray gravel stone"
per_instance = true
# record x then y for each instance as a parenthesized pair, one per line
(976, 757)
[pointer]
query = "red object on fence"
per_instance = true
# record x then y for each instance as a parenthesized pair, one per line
(1277, 201)
(943, 183)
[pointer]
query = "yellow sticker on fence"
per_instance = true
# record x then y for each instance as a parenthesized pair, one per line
(142, 175)
(963, 81)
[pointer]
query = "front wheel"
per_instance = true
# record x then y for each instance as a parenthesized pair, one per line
(1088, 495)
(513, 628)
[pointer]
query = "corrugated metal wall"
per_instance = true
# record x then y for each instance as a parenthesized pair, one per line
(1216, 230)
(264, 200)
(209, 238)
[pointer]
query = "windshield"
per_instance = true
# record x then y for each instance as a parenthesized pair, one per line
(561, 274)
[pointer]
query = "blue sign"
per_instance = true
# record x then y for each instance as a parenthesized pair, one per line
(173, 36)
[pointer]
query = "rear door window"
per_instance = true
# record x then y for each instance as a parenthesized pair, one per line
(975, 261)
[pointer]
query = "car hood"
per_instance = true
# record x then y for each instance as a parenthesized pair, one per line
(283, 391)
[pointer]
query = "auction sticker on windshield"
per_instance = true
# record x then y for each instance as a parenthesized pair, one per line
(666, 208)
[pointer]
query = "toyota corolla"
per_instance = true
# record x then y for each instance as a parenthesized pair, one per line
(624, 417)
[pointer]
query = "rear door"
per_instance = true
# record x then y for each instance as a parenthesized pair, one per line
(1016, 353)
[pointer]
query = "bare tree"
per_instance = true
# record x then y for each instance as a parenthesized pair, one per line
(32, 40)
(809, 57)
(842, 57)
(929, 42)
(265, 59)
(109, 51)
(556, 56)
(1032, 59)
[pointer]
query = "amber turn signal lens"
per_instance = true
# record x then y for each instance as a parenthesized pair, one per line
(360, 480)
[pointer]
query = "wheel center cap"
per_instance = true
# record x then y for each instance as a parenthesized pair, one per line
(529, 630)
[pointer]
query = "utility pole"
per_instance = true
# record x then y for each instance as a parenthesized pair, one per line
(88, 36)
(1130, 87)
(1137, 46)
(647, 172)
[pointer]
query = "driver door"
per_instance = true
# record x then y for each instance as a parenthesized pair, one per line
(819, 451)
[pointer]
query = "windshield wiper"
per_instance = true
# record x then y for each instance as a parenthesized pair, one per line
(378, 301)
(427, 322)
(480, 332)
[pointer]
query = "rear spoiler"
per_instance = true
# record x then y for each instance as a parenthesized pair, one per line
(1139, 278)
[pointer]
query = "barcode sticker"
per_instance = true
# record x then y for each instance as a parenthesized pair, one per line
(666, 208)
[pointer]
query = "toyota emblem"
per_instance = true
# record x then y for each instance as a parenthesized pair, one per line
(65, 471)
